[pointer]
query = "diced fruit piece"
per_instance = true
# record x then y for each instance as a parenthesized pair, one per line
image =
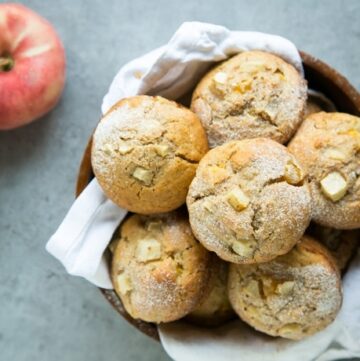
(143, 175)
(237, 199)
(162, 150)
(285, 288)
(154, 225)
(107, 149)
(220, 77)
(269, 286)
(252, 289)
(243, 248)
(293, 173)
(289, 329)
(216, 174)
(334, 186)
(209, 206)
(253, 66)
(335, 154)
(124, 283)
(148, 250)
(124, 149)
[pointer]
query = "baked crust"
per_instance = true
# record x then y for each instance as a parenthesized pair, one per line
(293, 296)
(253, 94)
(159, 270)
(145, 153)
(274, 206)
(329, 143)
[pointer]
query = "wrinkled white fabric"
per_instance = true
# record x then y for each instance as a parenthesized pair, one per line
(80, 241)
(175, 68)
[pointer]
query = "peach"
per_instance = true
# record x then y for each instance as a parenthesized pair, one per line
(32, 66)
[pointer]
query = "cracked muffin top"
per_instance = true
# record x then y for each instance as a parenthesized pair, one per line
(145, 153)
(293, 296)
(253, 94)
(249, 201)
(159, 270)
(328, 146)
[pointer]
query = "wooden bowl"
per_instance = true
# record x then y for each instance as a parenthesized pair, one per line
(319, 75)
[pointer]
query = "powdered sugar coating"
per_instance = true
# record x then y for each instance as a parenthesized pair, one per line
(253, 94)
(293, 296)
(277, 214)
(325, 143)
(145, 152)
(168, 287)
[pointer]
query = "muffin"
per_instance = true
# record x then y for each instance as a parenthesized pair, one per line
(253, 94)
(328, 146)
(215, 308)
(145, 152)
(249, 201)
(293, 296)
(341, 244)
(159, 270)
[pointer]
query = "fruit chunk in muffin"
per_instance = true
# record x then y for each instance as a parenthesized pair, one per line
(253, 94)
(249, 201)
(159, 270)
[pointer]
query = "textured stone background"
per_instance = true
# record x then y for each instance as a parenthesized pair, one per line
(44, 314)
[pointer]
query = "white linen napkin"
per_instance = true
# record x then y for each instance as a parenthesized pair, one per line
(81, 239)
(174, 69)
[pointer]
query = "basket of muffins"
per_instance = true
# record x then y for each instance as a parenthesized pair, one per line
(244, 203)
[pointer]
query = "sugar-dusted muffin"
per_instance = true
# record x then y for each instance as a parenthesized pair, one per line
(215, 308)
(145, 152)
(159, 270)
(293, 296)
(328, 146)
(253, 94)
(249, 201)
(341, 244)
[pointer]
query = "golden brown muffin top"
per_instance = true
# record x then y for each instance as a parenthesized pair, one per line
(159, 270)
(145, 152)
(328, 146)
(293, 296)
(253, 94)
(249, 201)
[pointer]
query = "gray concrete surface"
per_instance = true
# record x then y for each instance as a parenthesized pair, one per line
(46, 315)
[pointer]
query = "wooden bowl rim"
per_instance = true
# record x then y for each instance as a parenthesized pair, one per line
(85, 174)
